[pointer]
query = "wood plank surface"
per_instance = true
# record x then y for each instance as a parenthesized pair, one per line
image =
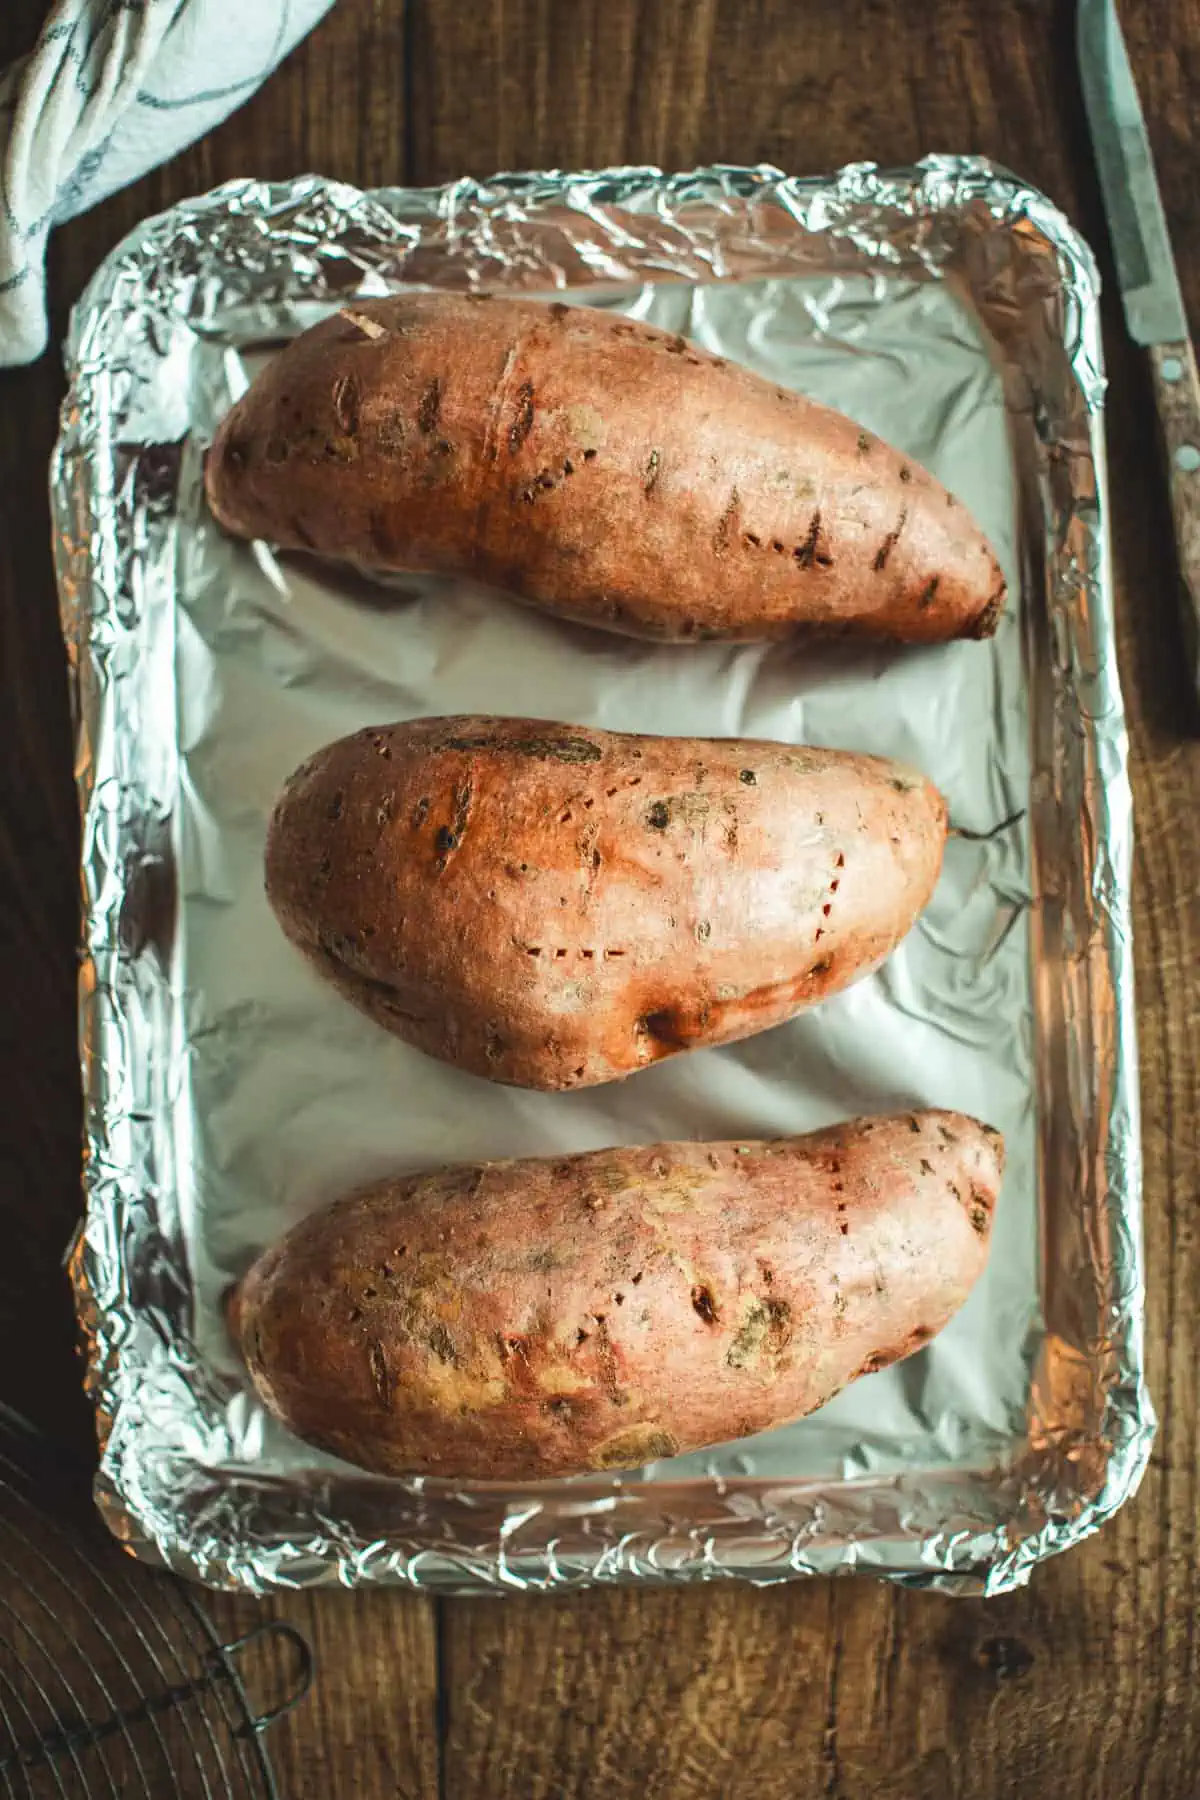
(1083, 1687)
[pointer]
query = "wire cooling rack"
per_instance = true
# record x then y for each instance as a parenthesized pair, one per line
(113, 1681)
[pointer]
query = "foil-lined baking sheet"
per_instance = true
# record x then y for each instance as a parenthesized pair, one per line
(952, 310)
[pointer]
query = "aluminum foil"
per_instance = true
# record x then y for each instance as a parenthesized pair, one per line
(228, 1090)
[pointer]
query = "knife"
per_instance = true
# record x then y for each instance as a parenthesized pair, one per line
(1154, 311)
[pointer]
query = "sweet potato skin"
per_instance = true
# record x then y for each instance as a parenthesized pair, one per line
(552, 906)
(548, 1317)
(597, 467)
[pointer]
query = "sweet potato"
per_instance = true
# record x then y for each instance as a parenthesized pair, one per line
(554, 907)
(539, 1318)
(597, 467)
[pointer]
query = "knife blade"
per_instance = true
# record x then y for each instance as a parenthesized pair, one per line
(1146, 275)
(1136, 222)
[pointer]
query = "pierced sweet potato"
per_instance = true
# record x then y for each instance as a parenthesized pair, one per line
(547, 1317)
(596, 467)
(553, 907)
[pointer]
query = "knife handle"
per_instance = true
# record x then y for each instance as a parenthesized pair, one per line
(1177, 397)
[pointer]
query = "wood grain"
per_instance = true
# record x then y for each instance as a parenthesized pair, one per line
(1084, 1686)
(1177, 399)
(369, 1728)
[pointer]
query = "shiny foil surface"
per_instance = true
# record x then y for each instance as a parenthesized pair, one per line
(228, 1090)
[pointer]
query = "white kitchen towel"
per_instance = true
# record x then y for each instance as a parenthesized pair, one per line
(112, 88)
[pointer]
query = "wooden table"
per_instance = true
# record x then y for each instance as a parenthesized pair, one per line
(1084, 1687)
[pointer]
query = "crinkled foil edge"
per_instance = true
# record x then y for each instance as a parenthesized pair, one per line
(258, 247)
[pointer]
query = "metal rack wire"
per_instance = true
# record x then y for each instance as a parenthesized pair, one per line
(113, 1680)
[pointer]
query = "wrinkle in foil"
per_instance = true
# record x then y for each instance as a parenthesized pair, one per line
(227, 1091)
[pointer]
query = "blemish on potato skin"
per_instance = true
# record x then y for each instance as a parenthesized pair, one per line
(810, 554)
(889, 543)
(984, 625)
(522, 423)
(381, 1378)
(606, 1357)
(979, 1213)
(562, 748)
(726, 524)
(430, 406)
(346, 400)
(341, 449)
(704, 1304)
(542, 483)
(764, 1335)
(391, 434)
(636, 1445)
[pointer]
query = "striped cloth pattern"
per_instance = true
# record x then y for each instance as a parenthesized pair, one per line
(112, 88)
